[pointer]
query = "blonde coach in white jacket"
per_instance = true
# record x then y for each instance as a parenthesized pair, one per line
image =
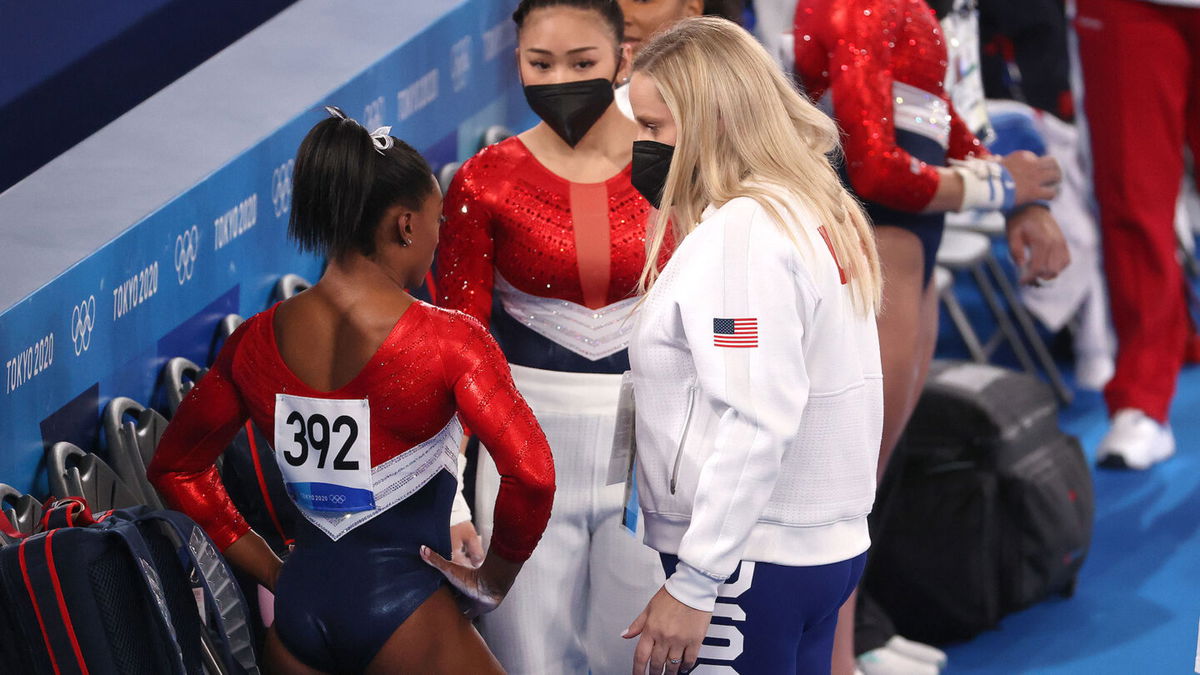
(755, 362)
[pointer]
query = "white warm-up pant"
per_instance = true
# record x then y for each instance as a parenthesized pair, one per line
(588, 578)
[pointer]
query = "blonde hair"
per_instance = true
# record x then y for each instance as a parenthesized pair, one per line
(741, 126)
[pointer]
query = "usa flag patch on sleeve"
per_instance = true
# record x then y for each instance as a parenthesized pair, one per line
(735, 333)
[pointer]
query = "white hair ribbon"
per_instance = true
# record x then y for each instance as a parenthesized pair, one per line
(382, 139)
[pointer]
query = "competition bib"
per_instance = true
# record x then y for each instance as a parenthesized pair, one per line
(323, 448)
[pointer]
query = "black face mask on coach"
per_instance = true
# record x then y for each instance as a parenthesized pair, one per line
(651, 163)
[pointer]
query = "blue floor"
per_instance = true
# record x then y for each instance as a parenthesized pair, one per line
(1137, 608)
(1138, 603)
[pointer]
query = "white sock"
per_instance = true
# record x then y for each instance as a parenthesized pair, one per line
(918, 651)
(884, 661)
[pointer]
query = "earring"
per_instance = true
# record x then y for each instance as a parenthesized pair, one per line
(405, 242)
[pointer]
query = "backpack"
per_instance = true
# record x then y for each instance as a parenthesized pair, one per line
(255, 485)
(986, 510)
(126, 591)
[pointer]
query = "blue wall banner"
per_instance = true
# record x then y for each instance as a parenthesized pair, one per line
(105, 326)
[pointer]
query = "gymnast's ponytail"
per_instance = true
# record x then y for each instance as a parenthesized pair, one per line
(345, 180)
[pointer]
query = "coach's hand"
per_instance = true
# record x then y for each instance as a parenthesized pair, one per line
(671, 635)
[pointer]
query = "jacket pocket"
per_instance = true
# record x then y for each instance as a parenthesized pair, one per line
(687, 425)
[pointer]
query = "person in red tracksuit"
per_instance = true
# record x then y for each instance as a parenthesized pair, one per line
(1141, 79)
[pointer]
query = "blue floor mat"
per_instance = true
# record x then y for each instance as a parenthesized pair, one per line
(1137, 607)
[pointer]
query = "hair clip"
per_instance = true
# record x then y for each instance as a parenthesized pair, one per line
(335, 112)
(382, 139)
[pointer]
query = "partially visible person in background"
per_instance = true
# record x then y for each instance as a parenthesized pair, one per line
(1078, 299)
(1024, 54)
(1026, 81)
(645, 18)
(911, 158)
(1024, 59)
(726, 9)
(774, 21)
(1141, 81)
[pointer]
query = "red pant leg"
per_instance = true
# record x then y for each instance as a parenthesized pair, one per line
(1137, 76)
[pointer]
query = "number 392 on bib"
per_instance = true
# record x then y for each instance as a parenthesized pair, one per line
(323, 448)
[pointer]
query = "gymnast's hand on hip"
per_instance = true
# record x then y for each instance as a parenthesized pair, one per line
(479, 589)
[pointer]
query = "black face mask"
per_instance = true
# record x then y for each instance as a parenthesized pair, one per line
(570, 108)
(651, 162)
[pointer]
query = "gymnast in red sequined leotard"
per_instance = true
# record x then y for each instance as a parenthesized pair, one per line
(542, 244)
(884, 63)
(361, 390)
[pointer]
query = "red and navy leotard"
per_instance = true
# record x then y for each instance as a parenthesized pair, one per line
(337, 602)
(859, 50)
(883, 63)
(561, 259)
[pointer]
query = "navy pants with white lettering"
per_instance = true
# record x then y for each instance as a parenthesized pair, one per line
(774, 618)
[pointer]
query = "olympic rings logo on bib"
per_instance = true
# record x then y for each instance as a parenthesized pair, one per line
(323, 448)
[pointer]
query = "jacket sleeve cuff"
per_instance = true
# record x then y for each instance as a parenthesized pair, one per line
(693, 587)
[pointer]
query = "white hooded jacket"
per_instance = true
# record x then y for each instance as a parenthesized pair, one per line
(759, 402)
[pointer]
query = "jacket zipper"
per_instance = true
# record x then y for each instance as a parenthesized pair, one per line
(687, 424)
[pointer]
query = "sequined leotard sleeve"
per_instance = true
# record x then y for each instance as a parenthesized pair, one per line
(184, 467)
(465, 258)
(858, 49)
(963, 143)
(489, 404)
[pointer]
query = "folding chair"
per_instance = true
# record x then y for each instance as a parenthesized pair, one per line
(446, 175)
(133, 432)
(963, 250)
(75, 473)
(23, 511)
(178, 378)
(495, 134)
(289, 285)
(943, 280)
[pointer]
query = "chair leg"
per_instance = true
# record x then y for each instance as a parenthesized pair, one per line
(1002, 318)
(959, 318)
(1030, 330)
(1190, 266)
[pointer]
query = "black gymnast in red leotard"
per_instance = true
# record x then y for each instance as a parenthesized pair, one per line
(362, 389)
